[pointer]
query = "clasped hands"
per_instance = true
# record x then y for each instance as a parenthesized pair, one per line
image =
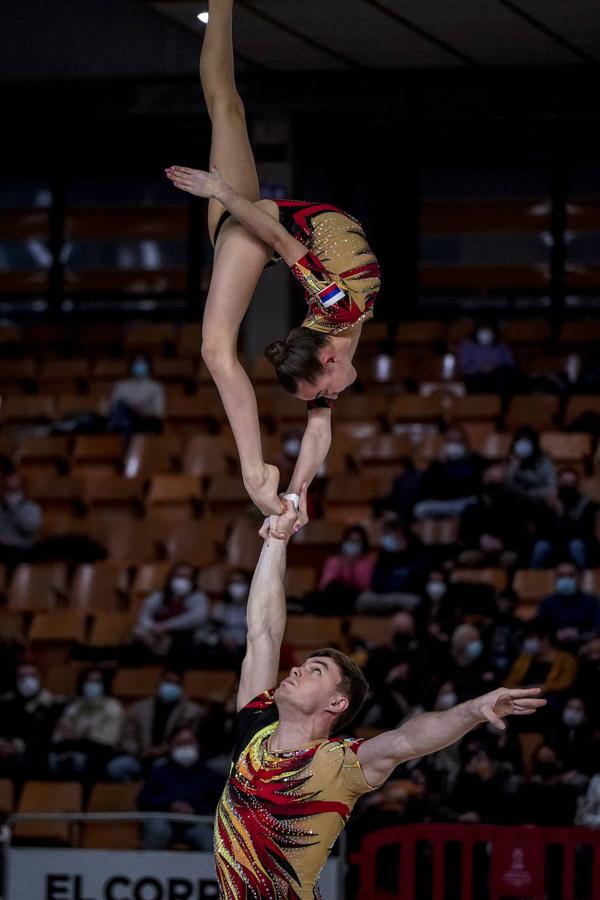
(291, 520)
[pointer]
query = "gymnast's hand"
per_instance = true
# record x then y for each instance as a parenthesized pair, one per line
(496, 705)
(282, 527)
(195, 181)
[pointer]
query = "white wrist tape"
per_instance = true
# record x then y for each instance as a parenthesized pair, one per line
(295, 498)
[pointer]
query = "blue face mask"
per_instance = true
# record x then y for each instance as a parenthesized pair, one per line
(566, 585)
(473, 650)
(140, 369)
(390, 543)
(170, 692)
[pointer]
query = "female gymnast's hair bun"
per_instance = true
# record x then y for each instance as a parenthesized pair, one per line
(276, 353)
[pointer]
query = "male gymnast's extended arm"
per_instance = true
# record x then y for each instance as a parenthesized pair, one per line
(266, 615)
(433, 731)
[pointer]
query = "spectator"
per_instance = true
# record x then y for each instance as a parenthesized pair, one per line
(548, 799)
(452, 482)
(345, 574)
(480, 794)
(571, 613)
(468, 668)
(28, 716)
(149, 726)
(137, 404)
(504, 636)
(541, 664)
(229, 617)
(403, 494)
(492, 530)
(183, 785)
(568, 533)
(20, 521)
(170, 617)
(589, 812)
(402, 563)
(530, 474)
(588, 675)
(572, 736)
(486, 363)
(88, 732)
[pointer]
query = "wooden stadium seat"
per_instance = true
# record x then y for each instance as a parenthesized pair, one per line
(533, 584)
(64, 494)
(579, 405)
(12, 626)
(150, 577)
(48, 797)
(364, 407)
(61, 626)
(315, 542)
(110, 628)
(133, 684)
(16, 375)
(150, 337)
(99, 586)
(526, 331)
(313, 631)
(385, 449)
(174, 370)
(407, 408)
(69, 405)
(425, 332)
(350, 499)
(583, 331)
(375, 332)
(107, 798)
(58, 375)
(132, 541)
(7, 797)
(375, 630)
(191, 542)
(263, 372)
(113, 495)
(151, 454)
(37, 587)
(98, 453)
(213, 579)
(356, 430)
(62, 679)
(537, 410)
(299, 580)
(189, 340)
(567, 447)
(201, 411)
(496, 577)
(287, 410)
(497, 446)
(434, 532)
(24, 410)
(174, 497)
(106, 372)
(43, 455)
(475, 408)
(209, 455)
(227, 494)
(101, 337)
(243, 543)
(213, 686)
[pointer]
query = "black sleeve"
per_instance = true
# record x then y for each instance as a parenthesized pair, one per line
(250, 720)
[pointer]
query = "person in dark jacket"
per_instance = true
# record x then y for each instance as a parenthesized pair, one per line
(403, 561)
(452, 482)
(183, 785)
(569, 531)
(569, 611)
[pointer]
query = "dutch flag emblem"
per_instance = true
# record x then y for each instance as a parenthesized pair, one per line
(330, 295)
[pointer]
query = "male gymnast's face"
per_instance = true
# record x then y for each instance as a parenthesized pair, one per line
(338, 374)
(312, 687)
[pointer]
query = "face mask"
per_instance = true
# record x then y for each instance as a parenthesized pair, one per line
(566, 585)
(447, 700)
(390, 543)
(28, 686)
(181, 586)
(473, 650)
(485, 337)
(435, 590)
(93, 690)
(568, 495)
(402, 640)
(170, 691)
(572, 717)
(187, 755)
(532, 646)
(545, 769)
(352, 549)
(523, 448)
(140, 369)
(455, 450)
(291, 447)
(238, 591)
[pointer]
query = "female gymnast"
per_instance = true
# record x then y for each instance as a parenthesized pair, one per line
(327, 252)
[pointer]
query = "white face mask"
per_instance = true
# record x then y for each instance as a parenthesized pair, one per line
(523, 448)
(291, 447)
(435, 590)
(532, 646)
(572, 717)
(28, 686)
(447, 700)
(485, 337)
(187, 755)
(180, 585)
(352, 549)
(238, 591)
(455, 450)
(93, 690)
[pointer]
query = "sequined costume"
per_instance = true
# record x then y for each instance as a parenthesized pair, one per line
(339, 272)
(280, 813)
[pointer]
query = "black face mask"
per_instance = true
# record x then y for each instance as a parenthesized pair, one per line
(402, 641)
(568, 495)
(545, 769)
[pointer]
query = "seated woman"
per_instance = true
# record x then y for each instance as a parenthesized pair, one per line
(327, 252)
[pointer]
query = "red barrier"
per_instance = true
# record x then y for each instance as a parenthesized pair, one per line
(517, 858)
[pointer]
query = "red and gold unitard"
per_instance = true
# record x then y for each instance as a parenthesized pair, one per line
(280, 813)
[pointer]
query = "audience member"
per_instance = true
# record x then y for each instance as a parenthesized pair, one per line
(403, 494)
(504, 635)
(137, 404)
(480, 792)
(589, 812)
(549, 798)
(452, 482)
(88, 732)
(486, 363)
(493, 530)
(149, 726)
(572, 736)
(228, 617)
(20, 521)
(28, 716)
(568, 531)
(403, 561)
(170, 617)
(530, 474)
(571, 613)
(542, 664)
(468, 667)
(184, 785)
(345, 574)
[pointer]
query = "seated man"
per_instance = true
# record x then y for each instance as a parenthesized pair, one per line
(292, 785)
(573, 614)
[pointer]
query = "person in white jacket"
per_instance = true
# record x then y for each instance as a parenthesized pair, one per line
(589, 807)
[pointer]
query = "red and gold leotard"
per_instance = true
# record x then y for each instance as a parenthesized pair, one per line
(280, 813)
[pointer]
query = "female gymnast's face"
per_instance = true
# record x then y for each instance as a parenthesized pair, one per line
(338, 375)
